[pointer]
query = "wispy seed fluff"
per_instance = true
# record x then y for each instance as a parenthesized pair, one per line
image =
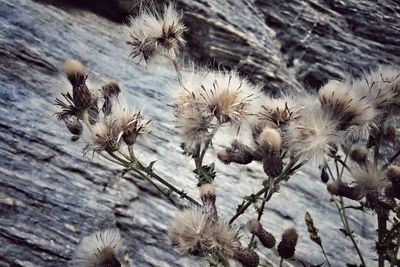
(369, 178)
(270, 139)
(101, 249)
(193, 232)
(353, 111)
(105, 136)
(154, 34)
(312, 136)
(210, 97)
(381, 87)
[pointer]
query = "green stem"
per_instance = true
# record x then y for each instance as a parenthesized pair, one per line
(326, 257)
(381, 235)
(289, 170)
(181, 193)
(349, 231)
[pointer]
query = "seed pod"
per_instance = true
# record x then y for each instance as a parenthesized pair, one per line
(207, 194)
(287, 246)
(341, 189)
(272, 164)
(73, 125)
(312, 230)
(266, 238)
(247, 257)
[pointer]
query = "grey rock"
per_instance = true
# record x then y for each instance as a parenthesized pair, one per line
(51, 195)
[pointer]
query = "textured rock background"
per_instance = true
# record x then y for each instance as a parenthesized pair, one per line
(51, 196)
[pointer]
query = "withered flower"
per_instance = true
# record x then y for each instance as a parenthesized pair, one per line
(110, 92)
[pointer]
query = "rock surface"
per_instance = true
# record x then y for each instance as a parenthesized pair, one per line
(51, 195)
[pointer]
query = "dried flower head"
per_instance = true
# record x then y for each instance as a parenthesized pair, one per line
(239, 153)
(287, 246)
(132, 124)
(359, 155)
(101, 249)
(193, 232)
(312, 135)
(82, 99)
(353, 112)
(105, 136)
(393, 173)
(152, 33)
(278, 112)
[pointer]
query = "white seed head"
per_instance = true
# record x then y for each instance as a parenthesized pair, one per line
(312, 135)
(99, 249)
(105, 136)
(369, 178)
(152, 33)
(270, 139)
(194, 233)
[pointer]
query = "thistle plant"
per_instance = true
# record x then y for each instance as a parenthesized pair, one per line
(345, 130)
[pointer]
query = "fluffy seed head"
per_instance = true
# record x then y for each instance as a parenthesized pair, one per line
(101, 249)
(311, 136)
(353, 112)
(132, 124)
(152, 33)
(227, 95)
(194, 233)
(270, 139)
(369, 178)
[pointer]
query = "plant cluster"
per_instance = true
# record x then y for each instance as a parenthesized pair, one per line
(346, 130)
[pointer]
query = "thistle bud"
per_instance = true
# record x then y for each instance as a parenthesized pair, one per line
(74, 126)
(341, 189)
(359, 155)
(324, 175)
(266, 238)
(272, 164)
(287, 246)
(207, 194)
(247, 257)
(76, 75)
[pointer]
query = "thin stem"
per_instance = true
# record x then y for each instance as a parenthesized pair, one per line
(178, 71)
(181, 193)
(381, 236)
(391, 160)
(208, 142)
(326, 257)
(111, 160)
(126, 163)
(349, 231)
(281, 262)
(167, 195)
